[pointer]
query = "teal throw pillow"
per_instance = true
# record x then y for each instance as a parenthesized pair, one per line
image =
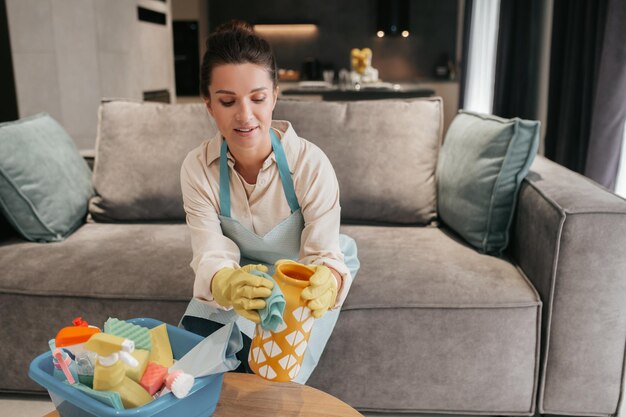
(481, 166)
(45, 184)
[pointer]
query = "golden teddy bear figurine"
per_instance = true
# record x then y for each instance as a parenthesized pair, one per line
(361, 60)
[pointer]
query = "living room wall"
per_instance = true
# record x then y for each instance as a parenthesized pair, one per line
(68, 54)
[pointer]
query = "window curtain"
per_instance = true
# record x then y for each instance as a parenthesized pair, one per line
(8, 102)
(467, 26)
(603, 162)
(577, 36)
(620, 182)
(479, 81)
(516, 87)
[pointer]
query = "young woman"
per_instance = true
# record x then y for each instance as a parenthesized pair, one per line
(257, 193)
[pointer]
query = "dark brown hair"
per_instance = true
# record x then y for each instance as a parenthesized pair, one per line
(235, 43)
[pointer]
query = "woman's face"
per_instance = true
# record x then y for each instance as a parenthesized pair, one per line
(241, 100)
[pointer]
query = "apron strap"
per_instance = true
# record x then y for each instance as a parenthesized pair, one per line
(283, 171)
(224, 181)
(285, 174)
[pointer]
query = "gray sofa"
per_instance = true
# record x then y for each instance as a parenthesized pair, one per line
(430, 325)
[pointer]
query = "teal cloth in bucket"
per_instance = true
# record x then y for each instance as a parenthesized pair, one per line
(110, 398)
(272, 314)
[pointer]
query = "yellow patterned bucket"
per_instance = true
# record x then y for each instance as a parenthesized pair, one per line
(277, 356)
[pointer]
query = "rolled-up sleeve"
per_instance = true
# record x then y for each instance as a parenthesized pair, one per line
(318, 191)
(212, 250)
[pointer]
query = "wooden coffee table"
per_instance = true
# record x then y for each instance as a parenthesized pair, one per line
(246, 395)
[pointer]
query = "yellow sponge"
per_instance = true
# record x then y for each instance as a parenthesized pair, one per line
(142, 357)
(161, 352)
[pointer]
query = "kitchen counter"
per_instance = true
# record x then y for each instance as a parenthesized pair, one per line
(364, 93)
(448, 90)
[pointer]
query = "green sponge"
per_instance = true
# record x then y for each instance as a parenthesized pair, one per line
(138, 334)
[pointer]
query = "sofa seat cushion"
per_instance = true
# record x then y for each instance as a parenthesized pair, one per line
(111, 261)
(432, 326)
(101, 270)
(430, 267)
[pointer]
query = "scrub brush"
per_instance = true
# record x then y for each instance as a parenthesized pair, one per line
(179, 383)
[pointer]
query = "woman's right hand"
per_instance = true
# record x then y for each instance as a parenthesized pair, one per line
(243, 291)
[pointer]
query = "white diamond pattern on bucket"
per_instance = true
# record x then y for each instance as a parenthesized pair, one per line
(291, 337)
(302, 313)
(288, 361)
(306, 326)
(297, 313)
(267, 372)
(294, 372)
(292, 360)
(272, 349)
(301, 348)
(284, 361)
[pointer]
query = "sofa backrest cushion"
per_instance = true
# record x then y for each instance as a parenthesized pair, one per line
(384, 153)
(45, 184)
(481, 167)
(139, 151)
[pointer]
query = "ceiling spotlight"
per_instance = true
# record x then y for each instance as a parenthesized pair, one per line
(380, 33)
(405, 33)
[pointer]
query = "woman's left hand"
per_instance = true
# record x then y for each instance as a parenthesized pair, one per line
(321, 292)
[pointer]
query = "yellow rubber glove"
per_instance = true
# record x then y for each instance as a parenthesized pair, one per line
(242, 290)
(321, 292)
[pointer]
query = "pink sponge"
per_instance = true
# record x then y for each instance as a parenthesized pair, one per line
(153, 377)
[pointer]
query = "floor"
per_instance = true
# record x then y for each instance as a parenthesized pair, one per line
(38, 406)
(31, 406)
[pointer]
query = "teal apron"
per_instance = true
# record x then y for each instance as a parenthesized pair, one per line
(282, 242)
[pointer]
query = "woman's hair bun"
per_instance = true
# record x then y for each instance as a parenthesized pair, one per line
(235, 42)
(235, 26)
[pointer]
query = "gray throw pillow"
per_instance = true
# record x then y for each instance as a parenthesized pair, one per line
(45, 184)
(481, 166)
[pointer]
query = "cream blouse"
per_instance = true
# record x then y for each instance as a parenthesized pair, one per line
(316, 188)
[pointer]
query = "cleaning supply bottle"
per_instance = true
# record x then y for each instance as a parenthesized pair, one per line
(84, 367)
(73, 338)
(63, 364)
(277, 356)
(110, 372)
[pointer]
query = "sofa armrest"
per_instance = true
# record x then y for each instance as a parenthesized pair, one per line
(569, 237)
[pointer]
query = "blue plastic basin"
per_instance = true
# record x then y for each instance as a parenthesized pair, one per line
(70, 402)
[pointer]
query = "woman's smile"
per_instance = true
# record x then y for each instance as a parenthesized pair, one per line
(246, 131)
